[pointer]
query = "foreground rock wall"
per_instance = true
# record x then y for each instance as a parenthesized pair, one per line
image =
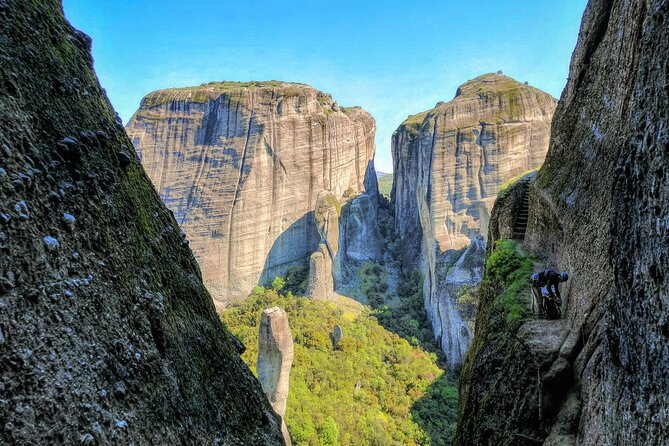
(242, 166)
(107, 334)
(450, 162)
(599, 209)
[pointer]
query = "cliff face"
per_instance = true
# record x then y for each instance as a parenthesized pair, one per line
(450, 162)
(242, 165)
(107, 334)
(600, 210)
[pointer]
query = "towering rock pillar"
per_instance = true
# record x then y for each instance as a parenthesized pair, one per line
(275, 358)
(450, 162)
(242, 166)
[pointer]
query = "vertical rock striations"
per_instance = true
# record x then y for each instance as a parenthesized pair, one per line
(600, 210)
(275, 358)
(450, 162)
(242, 166)
(107, 334)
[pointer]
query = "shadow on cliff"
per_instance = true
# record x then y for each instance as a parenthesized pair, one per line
(292, 248)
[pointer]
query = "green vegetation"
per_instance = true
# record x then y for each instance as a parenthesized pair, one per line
(331, 200)
(297, 280)
(385, 184)
(413, 122)
(208, 91)
(231, 85)
(513, 181)
(375, 388)
(510, 270)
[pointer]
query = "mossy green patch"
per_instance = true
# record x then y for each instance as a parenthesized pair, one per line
(205, 92)
(513, 181)
(511, 270)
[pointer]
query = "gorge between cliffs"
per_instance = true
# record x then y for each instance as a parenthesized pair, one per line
(229, 267)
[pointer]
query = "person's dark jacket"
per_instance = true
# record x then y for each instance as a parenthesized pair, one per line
(551, 280)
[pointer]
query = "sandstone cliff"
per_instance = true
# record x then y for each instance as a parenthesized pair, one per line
(107, 334)
(275, 358)
(450, 162)
(600, 210)
(242, 166)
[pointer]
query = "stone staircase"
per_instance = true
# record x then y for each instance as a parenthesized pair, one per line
(520, 226)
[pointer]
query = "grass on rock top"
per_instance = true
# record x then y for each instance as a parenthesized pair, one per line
(204, 92)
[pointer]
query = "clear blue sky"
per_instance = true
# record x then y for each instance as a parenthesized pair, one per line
(392, 58)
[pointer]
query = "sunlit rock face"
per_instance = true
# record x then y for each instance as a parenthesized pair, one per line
(450, 162)
(241, 165)
(107, 334)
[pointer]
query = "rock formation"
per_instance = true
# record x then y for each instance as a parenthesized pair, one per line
(337, 335)
(275, 358)
(326, 215)
(360, 240)
(242, 166)
(449, 163)
(107, 334)
(599, 209)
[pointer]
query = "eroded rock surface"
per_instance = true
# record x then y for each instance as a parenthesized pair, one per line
(450, 163)
(242, 166)
(275, 358)
(107, 334)
(321, 275)
(598, 209)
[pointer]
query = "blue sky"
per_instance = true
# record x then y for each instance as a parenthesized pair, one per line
(392, 58)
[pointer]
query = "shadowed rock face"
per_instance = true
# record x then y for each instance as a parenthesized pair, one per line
(275, 358)
(107, 334)
(600, 210)
(242, 165)
(450, 162)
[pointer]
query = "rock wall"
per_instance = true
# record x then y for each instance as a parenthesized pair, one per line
(107, 334)
(242, 165)
(450, 162)
(598, 209)
(275, 358)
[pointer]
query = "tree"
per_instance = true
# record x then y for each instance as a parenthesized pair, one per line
(278, 283)
(328, 432)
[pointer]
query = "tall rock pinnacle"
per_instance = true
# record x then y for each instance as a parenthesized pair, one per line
(242, 166)
(275, 358)
(450, 162)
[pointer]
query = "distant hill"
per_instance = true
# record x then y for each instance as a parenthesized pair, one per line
(385, 183)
